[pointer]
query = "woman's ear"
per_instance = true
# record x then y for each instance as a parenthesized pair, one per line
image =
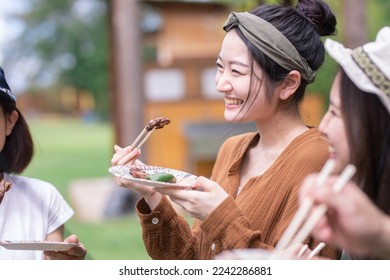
(290, 84)
(11, 121)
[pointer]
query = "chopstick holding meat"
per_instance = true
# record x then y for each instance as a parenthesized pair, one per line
(156, 123)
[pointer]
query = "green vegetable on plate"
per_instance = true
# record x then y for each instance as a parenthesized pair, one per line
(162, 177)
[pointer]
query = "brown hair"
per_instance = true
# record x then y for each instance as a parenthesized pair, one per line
(19, 148)
(368, 131)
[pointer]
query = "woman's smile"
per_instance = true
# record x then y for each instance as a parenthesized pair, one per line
(233, 101)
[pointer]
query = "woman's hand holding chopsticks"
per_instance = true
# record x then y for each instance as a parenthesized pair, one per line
(309, 214)
(352, 221)
(129, 156)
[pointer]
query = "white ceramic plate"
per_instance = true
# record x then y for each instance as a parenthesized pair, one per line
(183, 180)
(37, 245)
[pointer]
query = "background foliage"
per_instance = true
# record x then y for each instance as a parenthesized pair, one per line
(65, 42)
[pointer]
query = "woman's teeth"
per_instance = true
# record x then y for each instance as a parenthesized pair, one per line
(234, 101)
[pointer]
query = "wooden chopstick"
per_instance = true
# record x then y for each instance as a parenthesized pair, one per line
(145, 138)
(138, 138)
(304, 209)
(288, 239)
(321, 209)
(152, 125)
(303, 250)
(313, 253)
(142, 134)
(316, 250)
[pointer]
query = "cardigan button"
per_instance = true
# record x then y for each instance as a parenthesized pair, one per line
(155, 221)
(212, 246)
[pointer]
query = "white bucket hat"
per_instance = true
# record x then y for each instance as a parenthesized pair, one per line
(367, 66)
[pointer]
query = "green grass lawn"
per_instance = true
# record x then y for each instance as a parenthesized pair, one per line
(68, 149)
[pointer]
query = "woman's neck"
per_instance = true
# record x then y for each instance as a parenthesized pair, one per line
(277, 133)
(273, 140)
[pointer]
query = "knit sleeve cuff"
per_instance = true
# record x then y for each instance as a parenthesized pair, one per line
(152, 219)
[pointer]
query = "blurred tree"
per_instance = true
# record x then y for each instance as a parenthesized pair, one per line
(65, 42)
(381, 10)
(355, 24)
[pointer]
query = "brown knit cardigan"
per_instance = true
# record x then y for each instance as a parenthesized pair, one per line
(256, 218)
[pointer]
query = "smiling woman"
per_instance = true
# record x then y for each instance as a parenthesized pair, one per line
(266, 60)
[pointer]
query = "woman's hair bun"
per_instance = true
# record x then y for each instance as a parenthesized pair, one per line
(319, 14)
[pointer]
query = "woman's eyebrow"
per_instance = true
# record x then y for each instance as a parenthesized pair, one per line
(334, 106)
(235, 62)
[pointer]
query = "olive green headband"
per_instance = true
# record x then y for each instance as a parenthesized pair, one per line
(271, 42)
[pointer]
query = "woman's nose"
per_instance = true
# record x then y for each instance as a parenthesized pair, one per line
(324, 123)
(222, 83)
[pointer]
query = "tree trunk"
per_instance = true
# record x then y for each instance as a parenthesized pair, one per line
(126, 70)
(355, 26)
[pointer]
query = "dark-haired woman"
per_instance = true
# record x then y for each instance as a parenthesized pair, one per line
(267, 58)
(30, 209)
(357, 125)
